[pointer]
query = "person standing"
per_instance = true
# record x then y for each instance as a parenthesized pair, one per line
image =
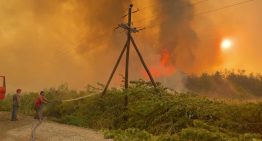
(16, 104)
(39, 102)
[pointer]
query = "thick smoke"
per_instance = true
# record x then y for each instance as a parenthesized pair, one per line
(45, 43)
(48, 42)
(179, 44)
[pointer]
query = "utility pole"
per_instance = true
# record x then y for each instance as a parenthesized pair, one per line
(127, 53)
(128, 45)
(128, 27)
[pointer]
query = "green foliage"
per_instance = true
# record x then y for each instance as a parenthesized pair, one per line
(196, 134)
(153, 114)
(26, 106)
(5, 105)
(168, 138)
(227, 84)
(186, 134)
(130, 134)
(27, 103)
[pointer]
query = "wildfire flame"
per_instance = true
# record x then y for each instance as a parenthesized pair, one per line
(164, 68)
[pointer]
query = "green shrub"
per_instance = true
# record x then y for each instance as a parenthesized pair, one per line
(156, 114)
(198, 134)
(130, 134)
(168, 138)
(6, 104)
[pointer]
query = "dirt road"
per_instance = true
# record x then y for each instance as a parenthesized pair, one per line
(48, 131)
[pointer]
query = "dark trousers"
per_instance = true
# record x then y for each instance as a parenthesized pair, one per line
(14, 113)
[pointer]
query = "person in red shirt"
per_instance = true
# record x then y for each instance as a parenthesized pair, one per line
(39, 103)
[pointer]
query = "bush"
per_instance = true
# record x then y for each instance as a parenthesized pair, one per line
(198, 134)
(5, 105)
(228, 84)
(130, 134)
(153, 114)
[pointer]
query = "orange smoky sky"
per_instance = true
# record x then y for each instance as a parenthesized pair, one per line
(45, 43)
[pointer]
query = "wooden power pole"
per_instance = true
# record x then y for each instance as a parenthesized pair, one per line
(128, 27)
(127, 52)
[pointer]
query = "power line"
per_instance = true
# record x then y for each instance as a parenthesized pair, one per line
(156, 7)
(205, 12)
(78, 43)
(225, 7)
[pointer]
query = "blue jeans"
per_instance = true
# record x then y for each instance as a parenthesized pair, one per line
(14, 112)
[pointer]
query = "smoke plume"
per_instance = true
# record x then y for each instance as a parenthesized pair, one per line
(48, 42)
(179, 45)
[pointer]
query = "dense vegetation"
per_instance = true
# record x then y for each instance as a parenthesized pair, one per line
(153, 115)
(229, 84)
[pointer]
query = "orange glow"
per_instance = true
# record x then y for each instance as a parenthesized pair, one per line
(165, 63)
(164, 68)
(165, 58)
(72, 41)
(226, 44)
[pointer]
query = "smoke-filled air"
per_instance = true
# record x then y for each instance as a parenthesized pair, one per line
(130, 70)
(46, 43)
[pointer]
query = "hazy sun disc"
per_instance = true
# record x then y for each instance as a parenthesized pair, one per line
(226, 44)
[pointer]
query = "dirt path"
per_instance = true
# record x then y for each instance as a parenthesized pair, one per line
(48, 131)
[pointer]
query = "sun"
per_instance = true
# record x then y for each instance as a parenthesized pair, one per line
(226, 44)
